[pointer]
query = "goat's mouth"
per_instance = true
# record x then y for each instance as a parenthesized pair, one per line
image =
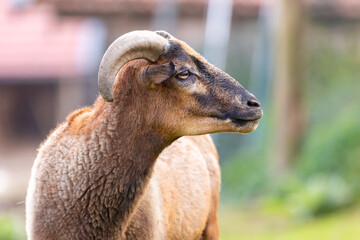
(242, 123)
(236, 121)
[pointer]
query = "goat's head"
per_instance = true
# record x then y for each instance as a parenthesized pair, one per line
(197, 97)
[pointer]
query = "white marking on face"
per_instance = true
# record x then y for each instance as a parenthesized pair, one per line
(228, 120)
(199, 88)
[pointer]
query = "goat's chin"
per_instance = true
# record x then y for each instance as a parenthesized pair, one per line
(245, 126)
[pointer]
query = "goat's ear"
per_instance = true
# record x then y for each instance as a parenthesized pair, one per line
(156, 74)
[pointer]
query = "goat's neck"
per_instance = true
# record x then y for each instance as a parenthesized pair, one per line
(128, 156)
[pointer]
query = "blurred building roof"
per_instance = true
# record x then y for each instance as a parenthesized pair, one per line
(349, 9)
(242, 8)
(36, 44)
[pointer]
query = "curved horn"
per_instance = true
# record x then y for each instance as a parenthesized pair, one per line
(133, 45)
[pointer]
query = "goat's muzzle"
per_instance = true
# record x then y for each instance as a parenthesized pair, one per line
(244, 118)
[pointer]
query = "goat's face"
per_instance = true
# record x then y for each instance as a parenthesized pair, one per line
(189, 96)
(199, 97)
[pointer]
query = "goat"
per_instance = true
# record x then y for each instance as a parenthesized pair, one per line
(130, 167)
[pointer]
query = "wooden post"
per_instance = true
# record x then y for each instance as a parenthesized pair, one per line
(288, 105)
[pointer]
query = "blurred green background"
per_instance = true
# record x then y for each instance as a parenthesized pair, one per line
(296, 177)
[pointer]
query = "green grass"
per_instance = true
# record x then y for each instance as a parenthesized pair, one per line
(248, 224)
(251, 224)
(11, 227)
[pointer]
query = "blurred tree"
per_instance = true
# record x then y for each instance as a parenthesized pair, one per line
(288, 102)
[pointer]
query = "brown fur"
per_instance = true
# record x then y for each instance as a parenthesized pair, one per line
(100, 175)
(78, 120)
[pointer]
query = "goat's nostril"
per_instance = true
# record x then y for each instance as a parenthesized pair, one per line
(253, 103)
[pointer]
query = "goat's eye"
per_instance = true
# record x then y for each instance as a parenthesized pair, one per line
(183, 75)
